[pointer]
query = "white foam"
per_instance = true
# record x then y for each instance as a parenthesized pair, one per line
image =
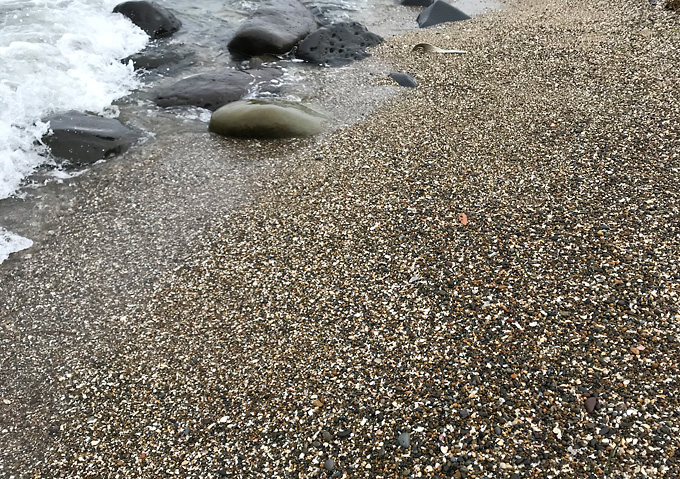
(57, 56)
(11, 243)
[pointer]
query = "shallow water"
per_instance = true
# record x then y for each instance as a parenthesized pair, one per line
(63, 55)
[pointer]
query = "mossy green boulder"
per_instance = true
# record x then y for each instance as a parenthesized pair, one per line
(263, 119)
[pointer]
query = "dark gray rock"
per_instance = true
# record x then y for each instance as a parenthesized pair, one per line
(440, 12)
(416, 3)
(404, 79)
(213, 90)
(83, 139)
(162, 56)
(404, 440)
(260, 119)
(275, 27)
(156, 20)
(337, 44)
(329, 465)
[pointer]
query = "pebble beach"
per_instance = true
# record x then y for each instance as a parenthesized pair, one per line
(481, 279)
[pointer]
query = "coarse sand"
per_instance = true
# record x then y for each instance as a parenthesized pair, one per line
(346, 323)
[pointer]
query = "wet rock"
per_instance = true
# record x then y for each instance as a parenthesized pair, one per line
(153, 58)
(156, 20)
(440, 12)
(404, 440)
(337, 44)
(404, 79)
(416, 3)
(275, 27)
(258, 119)
(212, 90)
(82, 138)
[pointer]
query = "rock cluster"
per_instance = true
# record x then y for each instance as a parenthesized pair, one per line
(276, 27)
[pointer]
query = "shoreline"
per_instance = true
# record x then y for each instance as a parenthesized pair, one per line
(347, 315)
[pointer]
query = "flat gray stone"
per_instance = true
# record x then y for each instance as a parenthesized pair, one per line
(212, 90)
(404, 79)
(83, 139)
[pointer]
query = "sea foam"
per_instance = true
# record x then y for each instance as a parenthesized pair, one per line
(56, 55)
(11, 243)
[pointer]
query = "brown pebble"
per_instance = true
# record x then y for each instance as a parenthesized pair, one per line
(317, 403)
(591, 402)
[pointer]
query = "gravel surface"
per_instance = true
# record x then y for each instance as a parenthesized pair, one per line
(481, 280)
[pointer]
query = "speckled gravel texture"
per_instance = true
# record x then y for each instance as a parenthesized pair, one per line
(348, 324)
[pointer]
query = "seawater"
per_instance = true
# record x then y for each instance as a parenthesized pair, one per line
(60, 55)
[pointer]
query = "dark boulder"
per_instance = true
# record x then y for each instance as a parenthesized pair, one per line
(275, 27)
(337, 44)
(440, 12)
(213, 90)
(403, 79)
(156, 20)
(83, 139)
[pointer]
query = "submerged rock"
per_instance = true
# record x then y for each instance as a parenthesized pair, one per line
(259, 119)
(275, 27)
(156, 20)
(83, 139)
(162, 56)
(440, 12)
(403, 79)
(213, 90)
(337, 44)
